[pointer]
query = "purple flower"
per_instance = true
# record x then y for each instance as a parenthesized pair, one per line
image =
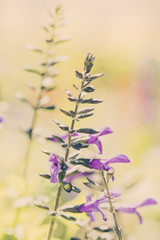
(95, 140)
(133, 210)
(91, 207)
(55, 167)
(1, 120)
(96, 164)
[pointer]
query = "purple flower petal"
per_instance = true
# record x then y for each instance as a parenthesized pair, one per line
(55, 167)
(147, 202)
(99, 145)
(133, 210)
(1, 119)
(117, 159)
(103, 131)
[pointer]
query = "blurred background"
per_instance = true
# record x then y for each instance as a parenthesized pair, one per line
(124, 37)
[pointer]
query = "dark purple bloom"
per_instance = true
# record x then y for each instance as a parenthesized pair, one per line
(55, 167)
(94, 138)
(133, 210)
(91, 207)
(96, 163)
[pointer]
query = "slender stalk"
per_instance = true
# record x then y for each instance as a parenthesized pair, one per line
(112, 210)
(53, 218)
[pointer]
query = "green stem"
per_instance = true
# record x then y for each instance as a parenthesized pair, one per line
(112, 210)
(52, 220)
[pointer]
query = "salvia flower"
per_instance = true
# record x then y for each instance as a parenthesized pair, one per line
(91, 207)
(55, 167)
(105, 163)
(94, 138)
(133, 210)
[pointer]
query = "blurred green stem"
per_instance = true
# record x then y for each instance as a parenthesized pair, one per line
(112, 210)
(52, 221)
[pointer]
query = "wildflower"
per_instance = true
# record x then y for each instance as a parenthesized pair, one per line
(104, 163)
(55, 167)
(133, 210)
(91, 207)
(94, 138)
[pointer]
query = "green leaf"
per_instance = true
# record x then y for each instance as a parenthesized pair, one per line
(46, 152)
(33, 71)
(65, 112)
(103, 229)
(93, 77)
(75, 87)
(85, 115)
(73, 209)
(78, 146)
(48, 107)
(61, 126)
(87, 130)
(62, 39)
(81, 161)
(92, 101)
(72, 99)
(74, 155)
(79, 75)
(41, 206)
(93, 185)
(66, 216)
(89, 89)
(59, 139)
(85, 110)
(34, 48)
(47, 176)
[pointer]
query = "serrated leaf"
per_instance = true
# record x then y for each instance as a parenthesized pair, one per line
(85, 115)
(47, 176)
(93, 77)
(89, 89)
(79, 75)
(65, 112)
(41, 206)
(85, 110)
(92, 101)
(70, 218)
(87, 130)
